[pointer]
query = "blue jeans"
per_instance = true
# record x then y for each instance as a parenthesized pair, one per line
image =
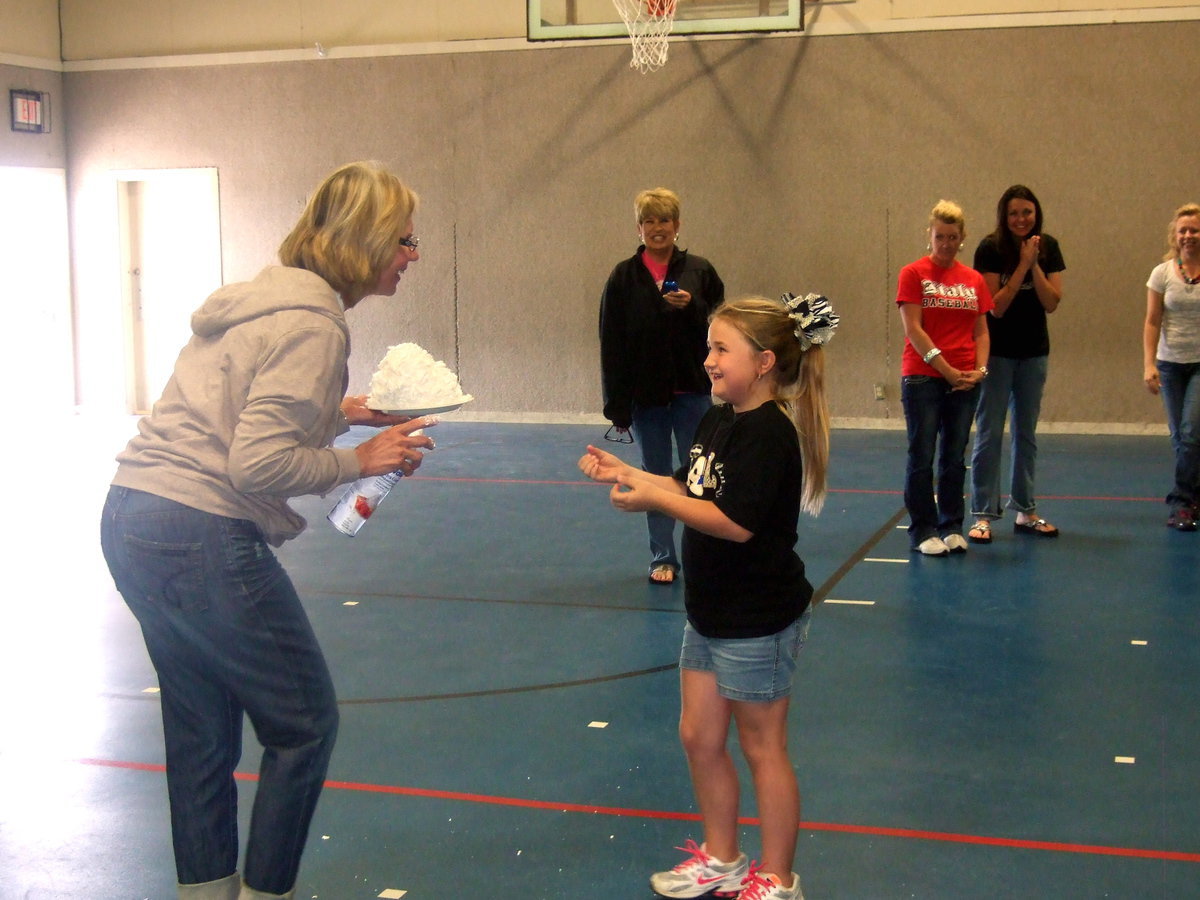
(653, 427)
(227, 634)
(1012, 386)
(932, 411)
(1179, 384)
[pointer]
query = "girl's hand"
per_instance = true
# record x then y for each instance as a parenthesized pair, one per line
(630, 495)
(1150, 379)
(601, 466)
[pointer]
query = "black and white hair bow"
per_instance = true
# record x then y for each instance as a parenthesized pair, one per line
(814, 317)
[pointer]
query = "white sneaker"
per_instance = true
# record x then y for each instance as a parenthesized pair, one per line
(701, 875)
(955, 543)
(759, 887)
(933, 546)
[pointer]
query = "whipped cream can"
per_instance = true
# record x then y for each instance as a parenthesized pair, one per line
(361, 499)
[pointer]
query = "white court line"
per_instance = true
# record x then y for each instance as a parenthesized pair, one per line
(883, 559)
(1125, 760)
(849, 602)
(1139, 643)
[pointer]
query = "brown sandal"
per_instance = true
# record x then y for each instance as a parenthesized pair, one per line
(981, 532)
(1036, 527)
(664, 575)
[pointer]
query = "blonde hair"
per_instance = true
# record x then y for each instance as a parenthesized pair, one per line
(1188, 209)
(799, 382)
(950, 213)
(349, 229)
(659, 202)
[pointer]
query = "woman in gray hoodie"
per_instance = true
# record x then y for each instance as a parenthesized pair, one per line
(245, 422)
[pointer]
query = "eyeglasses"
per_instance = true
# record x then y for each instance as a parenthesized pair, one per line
(618, 435)
(410, 242)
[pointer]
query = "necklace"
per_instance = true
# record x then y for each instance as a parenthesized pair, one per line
(1183, 274)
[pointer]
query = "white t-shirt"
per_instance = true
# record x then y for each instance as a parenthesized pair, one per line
(1179, 340)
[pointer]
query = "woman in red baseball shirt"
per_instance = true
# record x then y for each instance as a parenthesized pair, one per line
(943, 305)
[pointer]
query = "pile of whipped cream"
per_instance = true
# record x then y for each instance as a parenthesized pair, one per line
(408, 377)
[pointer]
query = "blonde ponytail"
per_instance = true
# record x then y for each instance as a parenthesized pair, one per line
(809, 412)
(798, 376)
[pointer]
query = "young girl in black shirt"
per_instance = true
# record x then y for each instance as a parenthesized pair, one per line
(758, 458)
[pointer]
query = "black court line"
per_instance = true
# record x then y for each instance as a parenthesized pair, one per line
(548, 686)
(857, 556)
(819, 596)
(563, 604)
(460, 695)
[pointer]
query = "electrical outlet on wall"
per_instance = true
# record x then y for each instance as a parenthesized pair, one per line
(880, 392)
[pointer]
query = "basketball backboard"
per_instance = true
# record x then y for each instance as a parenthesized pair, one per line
(555, 20)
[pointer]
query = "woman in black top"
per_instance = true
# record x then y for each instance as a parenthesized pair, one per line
(1023, 268)
(653, 324)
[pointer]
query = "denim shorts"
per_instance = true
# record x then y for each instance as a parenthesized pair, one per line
(757, 670)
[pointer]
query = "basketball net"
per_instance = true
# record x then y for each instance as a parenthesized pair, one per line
(649, 23)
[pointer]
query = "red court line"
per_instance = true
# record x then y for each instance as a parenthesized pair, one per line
(463, 480)
(906, 833)
(876, 491)
(880, 492)
(1041, 496)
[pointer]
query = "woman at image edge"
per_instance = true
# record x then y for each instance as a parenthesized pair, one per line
(245, 422)
(1171, 354)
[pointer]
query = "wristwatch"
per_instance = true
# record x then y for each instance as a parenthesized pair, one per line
(983, 371)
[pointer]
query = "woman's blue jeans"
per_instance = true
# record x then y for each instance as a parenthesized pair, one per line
(227, 634)
(653, 427)
(1013, 386)
(1179, 384)
(933, 412)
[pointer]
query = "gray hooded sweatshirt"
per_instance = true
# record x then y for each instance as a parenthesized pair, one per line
(247, 417)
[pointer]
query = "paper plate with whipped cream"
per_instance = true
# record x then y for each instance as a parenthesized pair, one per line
(430, 410)
(410, 382)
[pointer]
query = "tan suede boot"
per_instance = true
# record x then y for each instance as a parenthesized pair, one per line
(249, 893)
(222, 889)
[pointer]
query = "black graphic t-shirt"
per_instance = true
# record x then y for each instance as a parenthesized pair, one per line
(1021, 333)
(749, 465)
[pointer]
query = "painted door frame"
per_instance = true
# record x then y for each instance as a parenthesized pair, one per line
(169, 227)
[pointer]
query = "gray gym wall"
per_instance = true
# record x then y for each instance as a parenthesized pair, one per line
(803, 164)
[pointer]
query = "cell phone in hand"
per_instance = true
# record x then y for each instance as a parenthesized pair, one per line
(669, 287)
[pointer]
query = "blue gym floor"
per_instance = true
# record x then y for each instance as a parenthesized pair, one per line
(1016, 722)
